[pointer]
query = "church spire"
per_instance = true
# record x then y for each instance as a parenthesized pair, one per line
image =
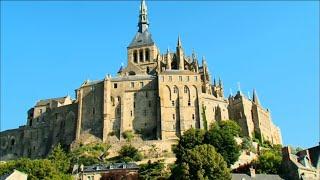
(255, 98)
(179, 42)
(143, 17)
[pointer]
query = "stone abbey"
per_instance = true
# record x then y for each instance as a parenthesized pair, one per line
(158, 96)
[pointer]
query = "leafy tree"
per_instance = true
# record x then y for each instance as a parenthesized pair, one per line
(223, 140)
(60, 159)
(129, 153)
(190, 139)
(230, 127)
(36, 169)
(201, 162)
(153, 170)
(269, 162)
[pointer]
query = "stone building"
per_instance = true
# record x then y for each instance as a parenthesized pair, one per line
(156, 95)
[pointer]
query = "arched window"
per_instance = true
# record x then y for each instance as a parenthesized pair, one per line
(175, 89)
(141, 56)
(147, 55)
(186, 90)
(135, 56)
(12, 142)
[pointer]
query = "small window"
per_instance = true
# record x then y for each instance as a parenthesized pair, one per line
(196, 78)
(148, 69)
(115, 85)
(172, 103)
(173, 116)
(188, 78)
(141, 84)
(193, 116)
(146, 94)
(131, 113)
(180, 78)
(189, 103)
(93, 111)
(134, 104)
(132, 84)
(170, 78)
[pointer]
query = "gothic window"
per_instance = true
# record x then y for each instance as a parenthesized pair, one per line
(147, 55)
(175, 90)
(141, 55)
(135, 57)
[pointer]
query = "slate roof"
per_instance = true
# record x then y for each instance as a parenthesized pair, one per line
(113, 166)
(140, 39)
(257, 177)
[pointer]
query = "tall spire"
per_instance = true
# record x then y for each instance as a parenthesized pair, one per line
(255, 98)
(179, 42)
(143, 17)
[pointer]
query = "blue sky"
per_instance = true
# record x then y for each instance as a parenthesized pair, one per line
(49, 48)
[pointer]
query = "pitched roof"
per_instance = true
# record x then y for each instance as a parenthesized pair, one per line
(140, 39)
(106, 167)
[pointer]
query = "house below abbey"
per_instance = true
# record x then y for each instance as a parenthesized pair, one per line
(158, 96)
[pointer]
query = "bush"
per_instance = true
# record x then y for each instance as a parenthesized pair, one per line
(155, 170)
(129, 153)
(128, 135)
(269, 162)
(90, 154)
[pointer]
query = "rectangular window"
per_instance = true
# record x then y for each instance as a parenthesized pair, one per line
(131, 113)
(115, 85)
(141, 84)
(132, 85)
(180, 78)
(173, 116)
(196, 78)
(188, 78)
(170, 78)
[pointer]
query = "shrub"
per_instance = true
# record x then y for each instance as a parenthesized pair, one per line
(129, 153)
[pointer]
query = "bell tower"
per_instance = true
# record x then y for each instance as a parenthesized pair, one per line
(142, 51)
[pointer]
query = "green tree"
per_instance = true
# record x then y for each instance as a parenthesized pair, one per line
(201, 162)
(223, 140)
(247, 144)
(36, 169)
(230, 127)
(60, 159)
(129, 153)
(190, 139)
(151, 171)
(269, 162)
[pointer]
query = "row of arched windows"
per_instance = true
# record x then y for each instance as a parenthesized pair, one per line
(142, 55)
(172, 95)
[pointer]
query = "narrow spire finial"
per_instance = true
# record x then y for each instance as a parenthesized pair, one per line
(179, 41)
(143, 17)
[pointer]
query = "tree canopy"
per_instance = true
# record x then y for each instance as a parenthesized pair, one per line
(201, 162)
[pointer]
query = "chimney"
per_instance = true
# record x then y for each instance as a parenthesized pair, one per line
(252, 172)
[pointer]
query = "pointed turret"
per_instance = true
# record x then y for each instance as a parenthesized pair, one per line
(214, 82)
(143, 17)
(180, 56)
(255, 98)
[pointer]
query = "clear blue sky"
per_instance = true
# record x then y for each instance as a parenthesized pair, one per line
(49, 48)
